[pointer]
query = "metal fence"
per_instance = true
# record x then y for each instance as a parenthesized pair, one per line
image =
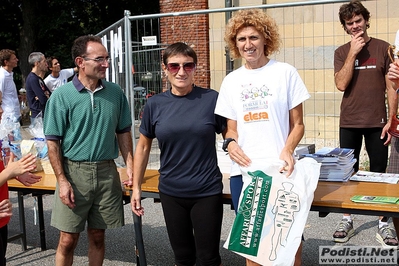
(310, 32)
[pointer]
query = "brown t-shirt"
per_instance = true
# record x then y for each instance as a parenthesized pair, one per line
(363, 103)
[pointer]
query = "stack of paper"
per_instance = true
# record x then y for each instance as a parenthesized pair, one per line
(336, 163)
(375, 177)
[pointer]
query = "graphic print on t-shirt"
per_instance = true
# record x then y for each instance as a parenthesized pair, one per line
(255, 103)
(366, 64)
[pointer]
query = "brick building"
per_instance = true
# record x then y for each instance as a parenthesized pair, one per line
(192, 30)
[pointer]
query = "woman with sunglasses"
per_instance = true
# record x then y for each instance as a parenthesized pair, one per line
(262, 100)
(190, 183)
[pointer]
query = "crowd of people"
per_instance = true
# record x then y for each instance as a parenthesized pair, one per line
(87, 124)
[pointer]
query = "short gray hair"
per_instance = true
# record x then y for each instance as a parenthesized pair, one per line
(35, 57)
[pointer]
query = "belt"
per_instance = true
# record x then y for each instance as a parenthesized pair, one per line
(90, 163)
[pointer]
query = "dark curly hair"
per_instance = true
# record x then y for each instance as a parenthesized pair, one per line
(353, 8)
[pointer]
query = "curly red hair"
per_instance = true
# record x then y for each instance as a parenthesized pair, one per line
(258, 19)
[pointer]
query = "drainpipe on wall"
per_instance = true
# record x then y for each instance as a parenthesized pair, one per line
(229, 62)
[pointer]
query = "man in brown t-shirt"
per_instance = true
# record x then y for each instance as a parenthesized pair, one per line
(360, 68)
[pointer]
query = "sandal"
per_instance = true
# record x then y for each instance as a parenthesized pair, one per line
(387, 236)
(344, 231)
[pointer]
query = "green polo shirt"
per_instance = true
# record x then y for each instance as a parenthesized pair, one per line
(87, 122)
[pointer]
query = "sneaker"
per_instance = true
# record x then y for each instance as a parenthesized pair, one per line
(344, 231)
(386, 236)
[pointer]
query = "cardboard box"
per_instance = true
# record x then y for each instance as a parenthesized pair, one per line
(46, 166)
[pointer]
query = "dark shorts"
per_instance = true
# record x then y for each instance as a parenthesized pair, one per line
(98, 197)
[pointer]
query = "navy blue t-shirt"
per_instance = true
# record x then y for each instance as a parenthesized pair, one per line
(185, 127)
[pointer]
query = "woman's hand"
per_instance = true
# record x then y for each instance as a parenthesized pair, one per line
(289, 161)
(135, 201)
(5, 208)
(25, 164)
(237, 155)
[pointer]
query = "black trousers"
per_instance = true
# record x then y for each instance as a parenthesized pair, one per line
(194, 228)
(3, 244)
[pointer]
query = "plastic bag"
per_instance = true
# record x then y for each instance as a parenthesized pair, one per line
(10, 128)
(36, 128)
(273, 210)
(10, 137)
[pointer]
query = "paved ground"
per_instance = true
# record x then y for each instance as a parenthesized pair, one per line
(120, 242)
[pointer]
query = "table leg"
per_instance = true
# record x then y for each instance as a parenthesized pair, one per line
(22, 228)
(41, 222)
(21, 211)
(138, 230)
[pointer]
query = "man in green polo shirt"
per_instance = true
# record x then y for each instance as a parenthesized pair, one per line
(85, 122)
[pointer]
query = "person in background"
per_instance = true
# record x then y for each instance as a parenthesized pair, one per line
(361, 67)
(37, 92)
(190, 183)
(58, 76)
(393, 76)
(86, 123)
(20, 171)
(271, 88)
(393, 71)
(8, 91)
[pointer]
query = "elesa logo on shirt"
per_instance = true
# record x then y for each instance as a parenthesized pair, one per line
(254, 117)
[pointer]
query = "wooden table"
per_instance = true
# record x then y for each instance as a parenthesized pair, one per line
(335, 197)
(46, 186)
(328, 197)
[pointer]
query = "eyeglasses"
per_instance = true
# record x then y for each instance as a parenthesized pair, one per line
(175, 67)
(100, 60)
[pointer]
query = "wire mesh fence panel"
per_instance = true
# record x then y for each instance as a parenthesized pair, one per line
(310, 32)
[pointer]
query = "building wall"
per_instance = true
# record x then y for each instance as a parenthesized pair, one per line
(192, 30)
(310, 35)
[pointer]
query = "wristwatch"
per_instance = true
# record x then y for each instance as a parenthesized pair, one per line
(226, 143)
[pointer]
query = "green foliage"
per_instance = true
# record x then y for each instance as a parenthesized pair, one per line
(50, 26)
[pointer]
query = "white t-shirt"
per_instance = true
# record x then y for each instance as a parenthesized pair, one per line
(53, 83)
(396, 51)
(10, 101)
(260, 101)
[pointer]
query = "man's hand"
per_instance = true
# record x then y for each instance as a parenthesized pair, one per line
(385, 133)
(357, 42)
(66, 194)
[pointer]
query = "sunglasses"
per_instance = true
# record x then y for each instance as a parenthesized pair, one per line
(175, 67)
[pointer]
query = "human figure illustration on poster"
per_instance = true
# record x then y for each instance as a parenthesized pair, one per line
(287, 203)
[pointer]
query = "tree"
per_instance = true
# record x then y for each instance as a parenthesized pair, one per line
(50, 26)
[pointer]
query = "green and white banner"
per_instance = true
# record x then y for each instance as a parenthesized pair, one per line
(273, 210)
